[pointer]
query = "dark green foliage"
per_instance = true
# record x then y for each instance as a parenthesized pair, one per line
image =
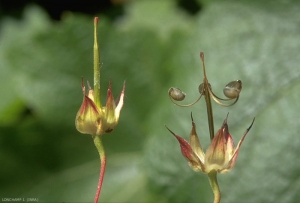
(153, 46)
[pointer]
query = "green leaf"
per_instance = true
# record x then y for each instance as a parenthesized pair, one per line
(261, 49)
(78, 184)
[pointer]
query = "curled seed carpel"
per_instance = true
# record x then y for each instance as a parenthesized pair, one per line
(232, 90)
(202, 89)
(176, 94)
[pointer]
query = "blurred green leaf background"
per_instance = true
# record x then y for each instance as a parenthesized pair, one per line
(154, 45)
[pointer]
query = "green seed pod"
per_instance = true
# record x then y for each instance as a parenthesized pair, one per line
(233, 89)
(176, 94)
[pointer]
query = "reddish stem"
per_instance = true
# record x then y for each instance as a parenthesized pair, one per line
(98, 143)
(101, 177)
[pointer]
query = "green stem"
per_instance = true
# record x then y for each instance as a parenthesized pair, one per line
(214, 185)
(100, 148)
(210, 116)
(96, 66)
(207, 99)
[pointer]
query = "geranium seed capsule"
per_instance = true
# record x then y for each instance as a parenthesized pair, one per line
(176, 94)
(233, 89)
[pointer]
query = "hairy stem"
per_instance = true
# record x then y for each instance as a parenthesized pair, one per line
(96, 66)
(214, 185)
(100, 148)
